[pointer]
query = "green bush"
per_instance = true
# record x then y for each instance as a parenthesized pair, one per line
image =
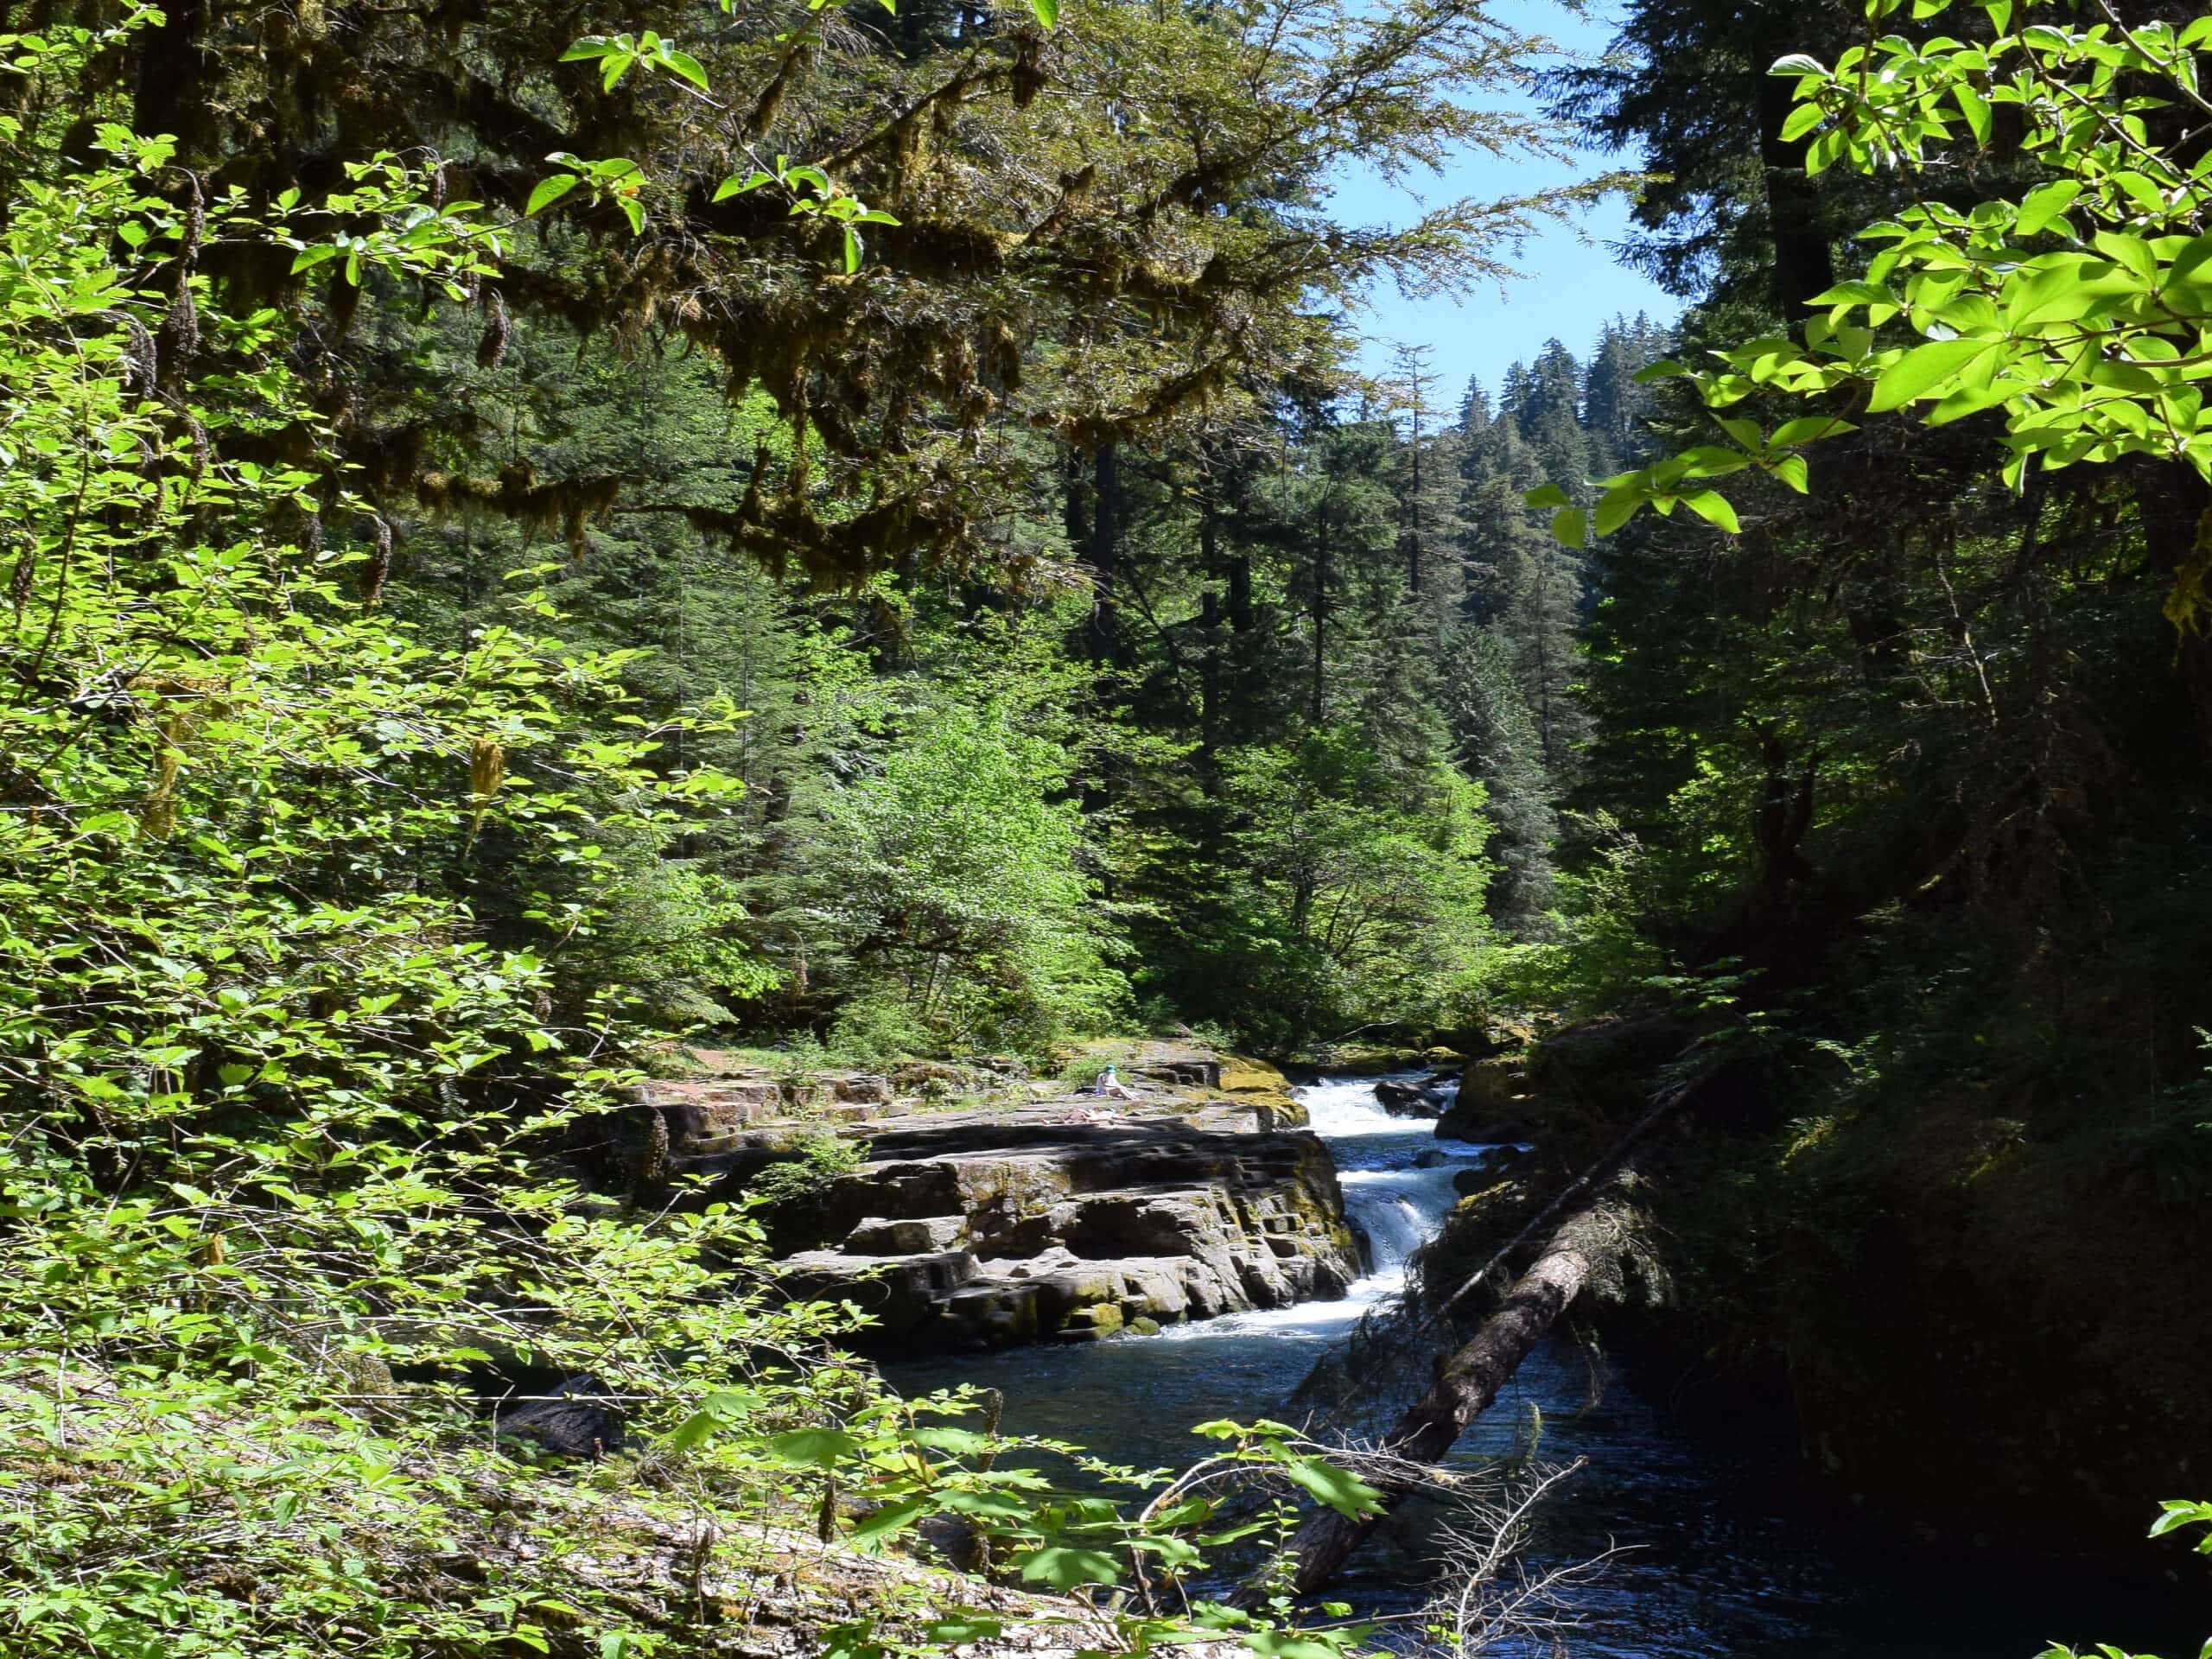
(790, 1183)
(288, 1136)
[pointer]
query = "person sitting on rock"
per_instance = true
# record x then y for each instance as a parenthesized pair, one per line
(1108, 1083)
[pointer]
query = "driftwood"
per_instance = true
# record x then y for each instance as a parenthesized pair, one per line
(1662, 1106)
(1467, 1381)
(1584, 1244)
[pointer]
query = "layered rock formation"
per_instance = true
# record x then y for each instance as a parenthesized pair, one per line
(1057, 1216)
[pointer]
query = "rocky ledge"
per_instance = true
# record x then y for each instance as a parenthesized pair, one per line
(1039, 1213)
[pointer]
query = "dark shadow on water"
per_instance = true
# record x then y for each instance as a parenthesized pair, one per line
(1728, 1555)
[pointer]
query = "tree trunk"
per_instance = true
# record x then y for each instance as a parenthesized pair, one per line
(2175, 505)
(1105, 550)
(1318, 693)
(1210, 699)
(168, 96)
(1804, 264)
(1075, 501)
(1468, 1382)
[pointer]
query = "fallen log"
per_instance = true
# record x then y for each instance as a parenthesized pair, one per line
(1470, 1380)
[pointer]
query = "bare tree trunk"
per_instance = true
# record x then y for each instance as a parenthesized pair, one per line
(2176, 512)
(1804, 264)
(1318, 693)
(1467, 1381)
(1105, 550)
(169, 96)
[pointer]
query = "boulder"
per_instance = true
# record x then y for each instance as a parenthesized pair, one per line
(1188, 1071)
(1497, 1164)
(1491, 1105)
(924, 1235)
(901, 1292)
(576, 1420)
(1492, 1084)
(1476, 1130)
(1607, 1064)
(1264, 1086)
(1403, 1099)
(995, 1314)
(1093, 1323)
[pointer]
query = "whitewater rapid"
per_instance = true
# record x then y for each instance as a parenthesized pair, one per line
(1396, 1204)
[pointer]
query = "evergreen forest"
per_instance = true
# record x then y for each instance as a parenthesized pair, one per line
(788, 868)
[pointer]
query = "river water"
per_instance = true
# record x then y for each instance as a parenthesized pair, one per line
(1723, 1555)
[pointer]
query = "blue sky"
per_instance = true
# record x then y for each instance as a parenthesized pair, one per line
(1569, 287)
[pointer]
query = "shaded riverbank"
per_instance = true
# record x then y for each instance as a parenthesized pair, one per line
(1725, 1552)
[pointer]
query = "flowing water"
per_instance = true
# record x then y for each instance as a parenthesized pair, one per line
(1723, 1557)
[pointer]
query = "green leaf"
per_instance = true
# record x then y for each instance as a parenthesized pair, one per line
(813, 1448)
(1792, 471)
(733, 186)
(1801, 120)
(2043, 206)
(1973, 106)
(1546, 495)
(963, 1628)
(1291, 1644)
(1809, 428)
(2193, 257)
(684, 64)
(1571, 527)
(1846, 294)
(693, 1430)
(1340, 1488)
(1047, 12)
(1713, 508)
(1618, 504)
(1065, 1568)
(549, 191)
(2130, 251)
(889, 1520)
(1712, 460)
(1920, 370)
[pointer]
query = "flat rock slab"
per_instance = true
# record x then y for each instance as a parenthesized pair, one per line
(968, 1230)
(991, 1210)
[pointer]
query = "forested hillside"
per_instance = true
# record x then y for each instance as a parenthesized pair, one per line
(544, 542)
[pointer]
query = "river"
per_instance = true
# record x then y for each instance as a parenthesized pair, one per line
(1724, 1555)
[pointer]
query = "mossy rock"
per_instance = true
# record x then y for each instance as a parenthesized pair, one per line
(1609, 1064)
(1363, 1062)
(1250, 1082)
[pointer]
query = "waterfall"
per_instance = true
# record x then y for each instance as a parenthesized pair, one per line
(1396, 1204)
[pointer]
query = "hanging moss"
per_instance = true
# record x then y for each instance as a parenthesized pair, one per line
(570, 505)
(1026, 222)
